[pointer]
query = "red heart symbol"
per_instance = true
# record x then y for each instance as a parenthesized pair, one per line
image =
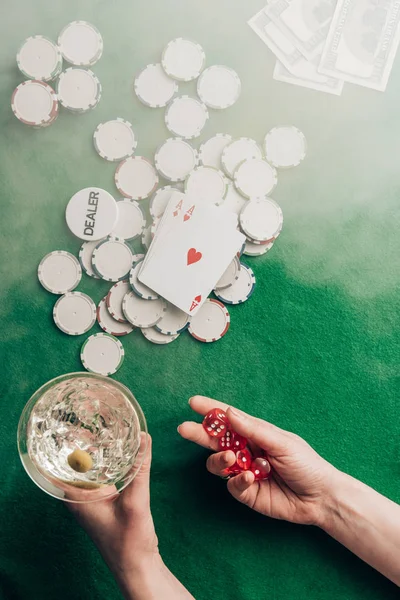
(193, 256)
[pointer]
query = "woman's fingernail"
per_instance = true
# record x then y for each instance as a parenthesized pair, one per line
(190, 399)
(178, 429)
(237, 413)
(225, 459)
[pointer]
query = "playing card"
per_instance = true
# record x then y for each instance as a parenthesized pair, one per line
(202, 240)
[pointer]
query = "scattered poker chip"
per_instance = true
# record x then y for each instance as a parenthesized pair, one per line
(109, 324)
(81, 43)
(261, 220)
(153, 87)
(139, 288)
(173, 322)
(131, 220)
(146, 237)
(35, 103)
(185, 117)
(255, 178)
(211, 322)
(183, 59)
(136, 178)
(210, 152)
(159, 201)
(59, 272)
(238, 151)
(114, 140)
(207, 183)
(240, 290)
(234, 201)
(91, 214)
(252, 249)
(175, 159)
(115, 297)
(39, 58)
(112, 259)
(78, 90)
(85, 258)
(156, 337)
(137, 258)
(230, 275)
(102, 353)
(74, 313)
(285, 147)
(219, 87)
(143, 313)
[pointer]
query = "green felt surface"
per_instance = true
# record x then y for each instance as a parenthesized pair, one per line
(316, 350)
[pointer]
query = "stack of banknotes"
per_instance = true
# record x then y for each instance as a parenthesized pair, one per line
(320, 44)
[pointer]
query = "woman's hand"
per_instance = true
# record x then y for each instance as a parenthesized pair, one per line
(301, 481)
(123, 530)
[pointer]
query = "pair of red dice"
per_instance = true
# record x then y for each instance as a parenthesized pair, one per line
(217, 425)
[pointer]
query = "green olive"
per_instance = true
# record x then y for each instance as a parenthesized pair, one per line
(80, 461)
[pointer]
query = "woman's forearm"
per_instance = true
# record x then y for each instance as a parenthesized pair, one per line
(152, 582)
(366, 523)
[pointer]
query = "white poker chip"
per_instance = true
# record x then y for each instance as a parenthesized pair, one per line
(207, 183)
(238, 151)
(210, 152)
(59, 272)
(159, 201)
(211, 322)
(136, 178)
(240, 290)
(109, 324)
(112, 259)
(85, 258)
(252, 249)
(35, 103)
(285, 147)
(91, 214)
(78, 90)
(183, 59)
(39, 58)
(230, 275)
(156, 337)
(115, 297)
(255, 178)
(261, 220)
(141, 312)
(80, 43)
(131, 220)
(102, 353)
(138, 287)
(186, 117)
(115, 140)
(74, 313)
(175, 159)
(146, 237)
(153, 87)
(219, 87)
(234, 201)
(173, 322)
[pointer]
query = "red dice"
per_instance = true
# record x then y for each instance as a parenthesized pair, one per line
(261, 468)
(232, 441)
(216, 423)
(243, 462)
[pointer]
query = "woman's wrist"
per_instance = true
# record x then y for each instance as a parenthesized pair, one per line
(138, 580)
(329, 510)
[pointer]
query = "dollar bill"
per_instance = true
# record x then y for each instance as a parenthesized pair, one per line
(362, 42)
(284, 50)
(305, 23)
(305, 74)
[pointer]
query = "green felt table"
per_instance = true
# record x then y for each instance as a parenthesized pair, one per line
(315, 350)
